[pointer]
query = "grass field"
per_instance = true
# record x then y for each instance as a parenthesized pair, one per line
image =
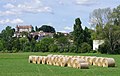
(16, 64)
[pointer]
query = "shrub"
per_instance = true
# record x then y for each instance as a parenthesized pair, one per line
(72, 48)
(85, 47)
(103, 48)
(53, 48)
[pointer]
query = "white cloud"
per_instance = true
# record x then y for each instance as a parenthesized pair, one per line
(50, 24)
(61, 2)
(14, 21)
(8, 0)
(17, 21)
(85, 2)
(63, 31)
(34, 6)
(68, 28)
(9, 5)
(6, 13)
(5, 21)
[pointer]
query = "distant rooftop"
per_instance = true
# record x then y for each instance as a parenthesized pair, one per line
(24, 26)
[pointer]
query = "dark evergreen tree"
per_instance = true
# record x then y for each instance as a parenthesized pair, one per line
(36, 28)
(87, 36)
(32, 29)
(6, 36)
(46, 28)
(78, 33)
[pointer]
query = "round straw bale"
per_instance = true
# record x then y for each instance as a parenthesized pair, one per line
(64, 61)
(58, 62)
(39, 59)
(30, 59)
(51, 60)
(60, 55)
(76, 60)
(74, 65)
(108, 62)
(69, 63)
(100, 61)
(55, 60)
(82, 57)
(94, 60)
(44, 60)
(34, 59)
(48, 61)
(87, 58)
(91, 60)
(78, 57)
(82, 65)
(49, 55)
(55, 55)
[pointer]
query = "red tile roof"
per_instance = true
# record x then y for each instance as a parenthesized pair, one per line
(24, 26)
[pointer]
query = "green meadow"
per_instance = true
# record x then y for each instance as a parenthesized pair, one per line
(16, 64)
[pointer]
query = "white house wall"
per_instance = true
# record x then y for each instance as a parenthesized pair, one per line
(96, 44)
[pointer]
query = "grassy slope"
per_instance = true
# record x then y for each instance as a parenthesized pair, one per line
(16, 64)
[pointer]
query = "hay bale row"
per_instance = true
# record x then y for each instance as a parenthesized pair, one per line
(81, 62)
(98, 61)
(59, 60)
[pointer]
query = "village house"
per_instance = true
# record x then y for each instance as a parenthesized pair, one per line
(25, 28)
(41, 34)
(96, 44)
(21, 29)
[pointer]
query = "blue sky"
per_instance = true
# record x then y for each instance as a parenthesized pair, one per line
(58, 13)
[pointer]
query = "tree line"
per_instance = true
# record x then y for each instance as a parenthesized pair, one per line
(106, 24)
(58, 43)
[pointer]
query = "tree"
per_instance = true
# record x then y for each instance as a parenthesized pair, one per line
(6, 36)
(32, 44)
(32, 29)
(36, 28)
(24, 33)
(98, 19)
(23, 42)
(85, 47)
(87, 36)
(53, 48)
(63, 44)
(58, 35)
(108, 29)
(30, 37)
(36, 37)
(78, 34)
(115, 17)
(112, 37)
(43, 45)
(46, 28)
(16, 45)
(1, 45)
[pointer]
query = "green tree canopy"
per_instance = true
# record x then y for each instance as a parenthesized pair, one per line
(6, 36)
(78, 33)
(46, 28)
(43, 45)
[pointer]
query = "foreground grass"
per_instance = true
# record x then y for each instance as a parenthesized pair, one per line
(16, 64)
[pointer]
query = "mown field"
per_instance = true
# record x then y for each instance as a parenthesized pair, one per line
(16, 64)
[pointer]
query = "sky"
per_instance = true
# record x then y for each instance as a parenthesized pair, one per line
(57, 13)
